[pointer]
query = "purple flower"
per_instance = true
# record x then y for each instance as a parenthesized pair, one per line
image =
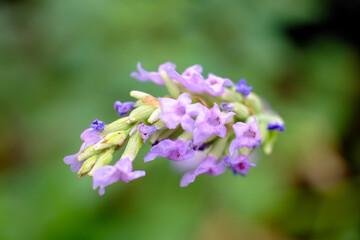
(90, 136)
(214, 85)
(276, 126)
(123, 108)
(243, 88)
(229, 107)
(211, 122)
(180, 111)
(239, 165)
(191, 78)
(145, 131)
(176, 150)
(121, 171)
(155, 77)
(208, 166)
(98, 125)
(247, 135)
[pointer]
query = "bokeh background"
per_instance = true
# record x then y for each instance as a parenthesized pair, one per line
(64, 63)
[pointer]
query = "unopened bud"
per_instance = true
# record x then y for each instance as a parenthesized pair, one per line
(138, 95)
(115, 138)
(88, 152)
(88, 164)
(254, 102)
(154, 116)
(133, 146)
(104, 159)
(141, 113)
(118, 125)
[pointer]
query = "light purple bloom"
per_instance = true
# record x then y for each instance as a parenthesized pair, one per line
(145, 131)
(90, 136)
(180, 111)
(214, 85)
(123, 108)
(247, 135)
(121, 171)
(98, 125)
(176, 150)
(191, 78)
(208, 166)
(211, 122)
(240, 165)
(243, 88)
(276, 126)
(155, 77)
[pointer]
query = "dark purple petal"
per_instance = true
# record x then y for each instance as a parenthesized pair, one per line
(243, 88)
(276, 126)
(98, 125)
(123, 108)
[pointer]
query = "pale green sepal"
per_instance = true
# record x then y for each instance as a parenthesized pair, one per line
(133, 146)
(170, 85)
(218, 147)
(138, 95)
(231, 96)
(241, 110)
(141, 113)
(88, 152)
(254, 102)
(88, 164)
(116, 138)
(104, 159)
(118, 125)
(154, 116)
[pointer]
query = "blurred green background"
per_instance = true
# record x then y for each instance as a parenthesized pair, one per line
(64, 63)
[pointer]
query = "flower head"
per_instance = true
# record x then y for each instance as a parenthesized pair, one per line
(247, 135)
(243, 88)
(176, 150)
(155, 77)
(276, 126)
(98, 125)
(208, 166)
(180, 111)
(123, 108)
(211, 122)
(214, 85)
(240, 165)
(145, 131)
(121, 171)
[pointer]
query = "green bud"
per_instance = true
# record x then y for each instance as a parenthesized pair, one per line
(104, 159)
(241, 110)
(141, 113)
(231, 96)
(269, 143)
(155, 137)
(254, 102)
(138, 95)
(115, 138)
(185, 136)
(88, 164)
(218, 147)
(159, 125)
(170, 85)
(133, 146)
(88, 152)
(154, 116)
(118, 125)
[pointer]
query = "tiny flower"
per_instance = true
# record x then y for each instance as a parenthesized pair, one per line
(247, 135)
(123, 108)
(243, 88)
(214, 85)
(176, 150)
(276, 126)
(155, 77)
(145, 131)
(121, 171)
(191, 78)
(180, 111)
(229, 107)
(98, 125)
(208, 166)
(211, 122)
(240, 165)
(89, 136)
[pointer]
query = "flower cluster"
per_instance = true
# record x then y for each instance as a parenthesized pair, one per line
(223, 121)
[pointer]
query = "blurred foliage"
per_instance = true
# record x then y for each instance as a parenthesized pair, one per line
(64, 63)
